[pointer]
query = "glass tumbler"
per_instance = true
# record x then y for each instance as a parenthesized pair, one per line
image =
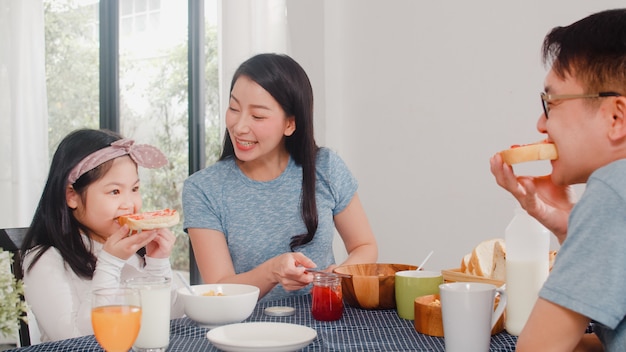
(116, 317)
(327, 302)
(154, 335)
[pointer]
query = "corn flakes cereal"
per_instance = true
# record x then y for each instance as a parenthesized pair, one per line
(212, 293)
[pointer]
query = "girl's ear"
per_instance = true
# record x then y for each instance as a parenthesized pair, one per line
(290, 128)
(71, 197)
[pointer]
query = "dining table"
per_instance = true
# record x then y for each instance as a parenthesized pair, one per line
(357, 330)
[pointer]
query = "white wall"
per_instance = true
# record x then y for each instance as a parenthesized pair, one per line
(416, 96)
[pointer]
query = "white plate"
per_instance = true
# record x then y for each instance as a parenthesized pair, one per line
(271, 337)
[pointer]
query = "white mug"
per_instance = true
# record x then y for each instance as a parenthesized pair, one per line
(468, 314)
(154, 333)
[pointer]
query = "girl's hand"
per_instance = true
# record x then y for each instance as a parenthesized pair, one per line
(289, 270)
(123, 246)
(162, 245)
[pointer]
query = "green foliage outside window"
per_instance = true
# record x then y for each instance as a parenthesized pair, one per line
(72, 72)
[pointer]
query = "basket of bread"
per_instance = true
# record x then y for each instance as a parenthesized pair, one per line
(485, 263)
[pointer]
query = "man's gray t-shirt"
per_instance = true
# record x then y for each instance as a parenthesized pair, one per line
(259, 219)
(589, 273)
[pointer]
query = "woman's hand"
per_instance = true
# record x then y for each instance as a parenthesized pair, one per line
(289, 270)
(123, 246)
(216, 265)
(539, 196)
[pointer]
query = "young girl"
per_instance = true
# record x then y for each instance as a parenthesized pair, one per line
(269, 208)
(75, 244)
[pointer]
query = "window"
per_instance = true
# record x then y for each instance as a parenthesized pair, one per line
(153, 87)
(139, 16)
(71, 67)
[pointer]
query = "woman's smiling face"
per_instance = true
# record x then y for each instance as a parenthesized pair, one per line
(256, 122)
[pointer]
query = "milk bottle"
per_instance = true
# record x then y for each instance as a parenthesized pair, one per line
(527, 267)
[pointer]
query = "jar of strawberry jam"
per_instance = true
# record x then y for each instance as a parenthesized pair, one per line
(327, 302)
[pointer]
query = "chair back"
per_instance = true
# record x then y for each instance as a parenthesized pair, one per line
(11, 241)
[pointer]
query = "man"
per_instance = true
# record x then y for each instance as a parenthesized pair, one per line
(585, 116)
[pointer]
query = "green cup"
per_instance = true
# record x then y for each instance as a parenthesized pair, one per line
(411, 284)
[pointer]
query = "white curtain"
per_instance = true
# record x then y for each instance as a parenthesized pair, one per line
(23, 110)
(249, 27)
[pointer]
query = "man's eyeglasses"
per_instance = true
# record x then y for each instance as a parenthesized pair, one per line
(547, 98)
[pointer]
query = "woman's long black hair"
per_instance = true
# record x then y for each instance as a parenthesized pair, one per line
(54, 224)
(285, 80)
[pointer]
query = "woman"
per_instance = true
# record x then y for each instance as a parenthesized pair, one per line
(268, 209)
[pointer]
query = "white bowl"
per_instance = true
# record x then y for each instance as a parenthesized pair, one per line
(235, 305)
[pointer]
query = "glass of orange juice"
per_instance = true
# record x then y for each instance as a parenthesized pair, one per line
(116, 317)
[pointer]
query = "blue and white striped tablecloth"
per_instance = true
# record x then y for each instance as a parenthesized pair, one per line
(357, 330)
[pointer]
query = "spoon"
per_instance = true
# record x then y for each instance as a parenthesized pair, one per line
(421, 266)
(182, 279)
(315, 271)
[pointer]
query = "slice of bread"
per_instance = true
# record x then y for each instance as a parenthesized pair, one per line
(470, 266)
(465, 263)
(498, 271)
(483, 257)
(529, 152)
(552, 258)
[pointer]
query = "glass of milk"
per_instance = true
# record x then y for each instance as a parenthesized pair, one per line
(154, 334)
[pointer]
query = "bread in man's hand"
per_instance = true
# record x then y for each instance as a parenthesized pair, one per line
(150, 220)
(529, 152)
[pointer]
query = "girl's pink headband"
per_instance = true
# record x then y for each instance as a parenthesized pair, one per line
(143, 154)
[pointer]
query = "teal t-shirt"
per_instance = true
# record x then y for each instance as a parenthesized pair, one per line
(259, 219)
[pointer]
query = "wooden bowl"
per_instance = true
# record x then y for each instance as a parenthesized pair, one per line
(428, 319)
(370, 286)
